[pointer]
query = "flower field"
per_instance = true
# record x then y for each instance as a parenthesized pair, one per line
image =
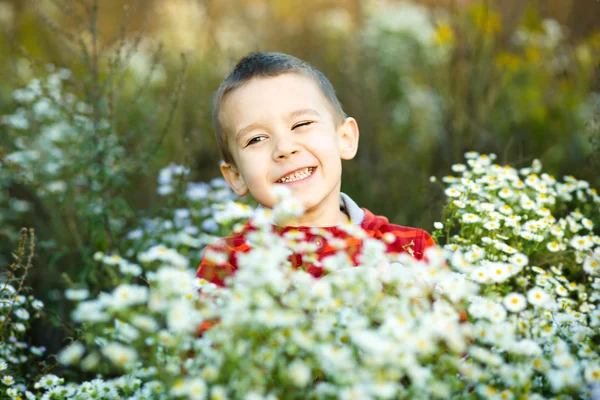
(480, 123)
(521, 264)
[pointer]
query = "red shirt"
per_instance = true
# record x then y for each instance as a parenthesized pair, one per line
(402, 239)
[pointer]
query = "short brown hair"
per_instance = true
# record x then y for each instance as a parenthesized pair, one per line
(264, 65)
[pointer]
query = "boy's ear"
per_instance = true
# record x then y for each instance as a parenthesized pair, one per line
(234, 179)
(348, 137)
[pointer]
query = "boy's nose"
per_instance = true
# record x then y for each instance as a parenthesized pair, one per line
(284, 148)
(284, 155)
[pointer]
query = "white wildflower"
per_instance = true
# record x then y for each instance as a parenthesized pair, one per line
(77, 294)
(126, 295)
(491, 225)
(519, 259)
(145, 323)
(515, 302)
(470, 218)
(22, 313)
(48, 382)
(71, 354)
(452, 192)
(592, 373)
(8, 380)
(538, 297)
(299, 373)
(498, 272)
(120, 355)
(591, 265)
(581, 242)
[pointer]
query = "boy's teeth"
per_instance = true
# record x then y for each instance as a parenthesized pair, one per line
(306, 172)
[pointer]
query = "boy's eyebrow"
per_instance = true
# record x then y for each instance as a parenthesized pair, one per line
(292, 115)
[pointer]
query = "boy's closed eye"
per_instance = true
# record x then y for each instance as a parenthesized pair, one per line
(255, 139)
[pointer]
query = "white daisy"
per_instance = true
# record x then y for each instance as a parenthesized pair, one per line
(474, 255)
(22, 313)
(581, 242)
(459, 203)
(519, 259)
(8, 380)
(71, 354)
(557, 231)
(77, 294)
(577, 215)
(543, 198)
(505, 209)
(299, 373)
(481, 275)
(498, 272)
(114, 259)
(592, 373)
(48, 381)
(537, 296)
(526, 203)
(544, 212)
(470, 218)
(506, 193)
(119, 354)
(561, 291)
(452, 192)
(591, 265)
(196, 389)
(553, 246)
(491, 225)
(513, 221)
(515, 302)
(449, 179)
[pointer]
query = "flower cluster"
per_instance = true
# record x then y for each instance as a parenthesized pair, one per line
(390, 328)
(529, 240)
(201, 213)
(359, 332)
(384, 329)
(17, 310)
(404, 37)
(59, 122)
(405, 24)
(343, 335)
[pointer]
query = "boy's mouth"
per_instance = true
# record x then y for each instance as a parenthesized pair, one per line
(297, 175)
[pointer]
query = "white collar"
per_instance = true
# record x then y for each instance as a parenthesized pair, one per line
(347, 205)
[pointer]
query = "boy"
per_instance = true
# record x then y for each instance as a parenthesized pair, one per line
(278, 122)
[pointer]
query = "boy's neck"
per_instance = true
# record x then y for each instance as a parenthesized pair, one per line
(323, 215)
(322, 221)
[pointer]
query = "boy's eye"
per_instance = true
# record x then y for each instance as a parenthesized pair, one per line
(255, 140)
(302, 124)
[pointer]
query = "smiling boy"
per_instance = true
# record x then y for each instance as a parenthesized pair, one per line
(278, 122)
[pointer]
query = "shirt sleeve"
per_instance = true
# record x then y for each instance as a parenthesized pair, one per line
(426, 242)
(216, 263)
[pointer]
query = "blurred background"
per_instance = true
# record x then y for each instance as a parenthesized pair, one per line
(97, 96)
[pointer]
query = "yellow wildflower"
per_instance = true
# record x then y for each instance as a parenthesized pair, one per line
(444, 35)
(509, 61)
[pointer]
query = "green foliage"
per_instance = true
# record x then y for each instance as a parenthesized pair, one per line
(19, 362)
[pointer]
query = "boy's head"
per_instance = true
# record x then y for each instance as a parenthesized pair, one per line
(275, 114)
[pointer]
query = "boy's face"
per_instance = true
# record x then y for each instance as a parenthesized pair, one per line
(281, 125)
